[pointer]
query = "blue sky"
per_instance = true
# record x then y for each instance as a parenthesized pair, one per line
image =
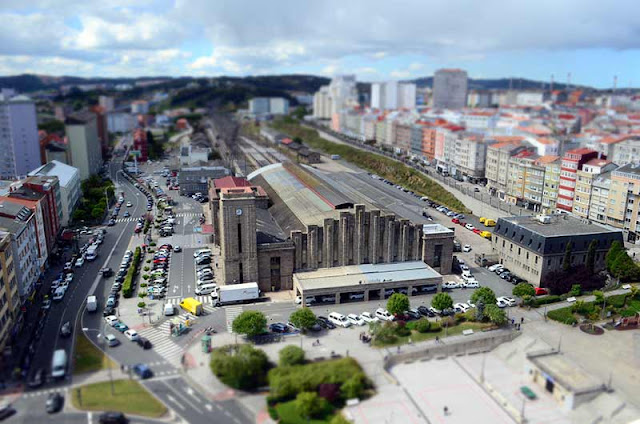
(375, 39)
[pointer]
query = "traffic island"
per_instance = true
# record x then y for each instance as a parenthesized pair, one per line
(88, 358)
(126, 396)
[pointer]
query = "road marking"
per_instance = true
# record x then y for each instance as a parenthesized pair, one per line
(172, 399)
(192, 394)
(209, 407)
(181, 397)
(89, 417)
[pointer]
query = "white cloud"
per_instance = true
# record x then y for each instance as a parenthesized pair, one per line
(397, 73)
(416, 66)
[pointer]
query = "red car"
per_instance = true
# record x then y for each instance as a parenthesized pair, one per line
(477, 231)
(541, 291)
(455, 220)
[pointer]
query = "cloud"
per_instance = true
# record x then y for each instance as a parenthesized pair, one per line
(397, 73)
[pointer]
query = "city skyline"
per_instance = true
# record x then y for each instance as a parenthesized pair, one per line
(386, 42)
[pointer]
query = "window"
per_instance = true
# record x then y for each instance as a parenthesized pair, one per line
(239, 238)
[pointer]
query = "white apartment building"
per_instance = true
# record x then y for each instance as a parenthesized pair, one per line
(278, 106)
(107, 102)
(392, 95)
(140, 107)
(450, 89)
(69, 178)
(23, 245)
(322, 103)
(86, 152)
(19, 143)
(120, 122)
(341, 93)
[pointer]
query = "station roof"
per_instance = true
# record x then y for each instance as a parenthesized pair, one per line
(356, 275)
(566, 373)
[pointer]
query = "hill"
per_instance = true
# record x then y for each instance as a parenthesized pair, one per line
(502, 84)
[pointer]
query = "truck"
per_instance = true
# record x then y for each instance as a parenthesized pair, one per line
(92, 252)
(191, 305)
(92, 303)
(235, 293)
(59, 364)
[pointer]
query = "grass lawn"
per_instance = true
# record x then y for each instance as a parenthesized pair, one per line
(88, 358)
(130, 398)
(288, 415)
(451, 331)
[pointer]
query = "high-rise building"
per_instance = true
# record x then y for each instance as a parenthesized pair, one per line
(140, 107)
(572, 161)
(450, 89)
(322, 103)
(106, 102)
(19, 143)
(393, 95)
(86, 152)
(584, 184)
(69, 179)
(10, 315)
(269, 105)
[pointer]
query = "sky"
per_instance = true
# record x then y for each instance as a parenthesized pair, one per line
(377, 40)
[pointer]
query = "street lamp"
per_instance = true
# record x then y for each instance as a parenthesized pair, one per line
(101, 342)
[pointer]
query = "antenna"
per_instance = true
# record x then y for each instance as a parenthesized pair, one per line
(569, 81)
(615, 82)
(551, 86)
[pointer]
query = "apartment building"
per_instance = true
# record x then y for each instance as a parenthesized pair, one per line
(10, 315)
(69, 180)
(86, 152)
(470, 154)
(107, 103)
(19, 142)
(624, 200)
(139, 107)
(403, 136)
(626, 150)
(497, 162)
(450, 89)
(381, 131)
(525, 181)
(584, 183)
(322, 103)
(49, 187)
(392, 95)
(551, 165)
(599, 202)
(445, 147)
(572, 161)
(22, 228)
(429, 134)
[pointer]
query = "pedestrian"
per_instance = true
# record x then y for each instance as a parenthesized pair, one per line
(513, 321)
(398, 349)
(446, 411)
(437, 339)
(521, 320)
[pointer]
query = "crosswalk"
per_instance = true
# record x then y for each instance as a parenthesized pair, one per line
(63, 391)
(162, 340)
(205, 300)
(231, 313)
(178, 215)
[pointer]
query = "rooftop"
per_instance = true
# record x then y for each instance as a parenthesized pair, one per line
(267, 229)
(80, 118)
(61, 170)
(630, 168)
(559, 225)
(565, 372)
(354, 275)
(11, 225)
(435, 229)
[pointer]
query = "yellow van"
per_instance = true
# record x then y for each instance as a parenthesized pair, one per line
(482, 219)
(191, 305)
(486, 234)
(489, 223)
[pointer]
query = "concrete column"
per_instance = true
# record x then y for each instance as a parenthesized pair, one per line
(366, 295)
(410, 291)
(381, 296)
(404, 240)
(296, 236)
(328, 253)
(389, 236)
(337, 298)
(358, 239)
(374, 237)
(417, 243)
(312, 247)
(343, 237)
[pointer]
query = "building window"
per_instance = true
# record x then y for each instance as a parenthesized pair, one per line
(239, 238)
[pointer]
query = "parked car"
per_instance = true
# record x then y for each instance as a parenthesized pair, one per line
(383, 315)
(278, 327)
(469, 227)
(355, 319)
(414, 313)
(495, 268)
(144, 343)
(540, 291)
(112, 417)
(424, 311)
(508, 300)
(466, 248)
(325, 323)
(450, 285)
(368, 317)
(54, 404)
(131, 334)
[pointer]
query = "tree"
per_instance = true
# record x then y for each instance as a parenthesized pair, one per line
(303, 318)
(612, 254)
(442, 301)
(576, 290)
(309, 404)
(291, 355)
(495, 314)
(384, 332)
(353, 387)
(249, 323)
(591, 256)
(397, 303)
(484, 295)
(97, 213)
(523, 289)
(339, 419)
(240, 366)
(566, 262)
(300, 112)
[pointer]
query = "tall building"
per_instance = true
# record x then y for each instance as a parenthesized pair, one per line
(278, 106)
(139, 107)
(69, 180)
(10, 315)
(269, 105)
(393, 95)
(86, 152)
(259, 105)
(107, 103)
(551, 165)
(599, 202)
(103, 128)
(141, 144)
(120, 122)
(450, 89)
(330, 99)
(49, 188)
(584, 184)
(572, 161)
(19, 143)
(322, 103)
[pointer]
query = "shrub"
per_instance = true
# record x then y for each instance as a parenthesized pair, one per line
(309, 404)
(545, 300)
(384, 332)
(495, 314)
(563, 315)
(152, 244)
(435, 327)
(422, 325)
(146, 268)
(143, 284)
(339, 419)
(329, 391)
(470, 315)
(353, 387)
(148, 261)
(523, 289)
(617, 300)
(146, 277)
(401, 329)
(484, 295)
(583, 308)
(291, 355)
(576, 290)
(141, 304)
(241, 367)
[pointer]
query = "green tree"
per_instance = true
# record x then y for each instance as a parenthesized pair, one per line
(599, 297)
(300, 112)
(495, 314)
(384, 332)
(240, 366)
(309, 404)
(442, 301)
(612, 254)
(484, 295)
(249, 323)
(353, 387)
(339, 419)
(422, 325)
(303, 318)
(397, 303)
(53, 126)
(291, 355)
(576, 290)
(97, 212)
(523, 289)
(566, 262)
(591, 256)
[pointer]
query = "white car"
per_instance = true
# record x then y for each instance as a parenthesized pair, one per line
(129, 204)
(471, 304)
(307, 301)
(131, 334)
(111, 340)
(367, 317)
(111, 320)
(469, 227)
(508, 300)
(355, 319)
(501, 303)
(496, 267)
(471, 284)
(450, 285)
(69, 277)
(79, 262)
(461, 307)
(384, 315)
(466, 248)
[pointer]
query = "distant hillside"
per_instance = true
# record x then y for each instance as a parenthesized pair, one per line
(501, 84)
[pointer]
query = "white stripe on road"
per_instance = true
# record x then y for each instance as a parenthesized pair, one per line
(172, 399)
(89, 417)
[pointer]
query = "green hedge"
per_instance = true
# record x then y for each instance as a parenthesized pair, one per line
(617, 300)
(128, 285)
(286, 382)
(539, 301)
(563, 315)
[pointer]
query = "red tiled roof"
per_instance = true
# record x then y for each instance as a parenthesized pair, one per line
(286, 141)
(231, 182)
(547, 141)
(547, 159)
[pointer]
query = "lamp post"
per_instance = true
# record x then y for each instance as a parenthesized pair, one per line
(101, 342)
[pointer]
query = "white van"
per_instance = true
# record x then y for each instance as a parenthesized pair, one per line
(205, 289)
(169, 309)
(339, 319)
(92, 303)
(202, 252)
(59, 364)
